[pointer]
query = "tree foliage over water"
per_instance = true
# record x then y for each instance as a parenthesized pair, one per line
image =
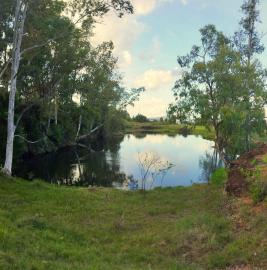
(223, 85)
(65, 87)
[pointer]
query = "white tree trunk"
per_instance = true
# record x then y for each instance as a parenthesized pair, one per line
(79, 127)
(56, 109)
(20, 16)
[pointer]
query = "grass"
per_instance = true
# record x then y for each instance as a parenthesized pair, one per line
(49, 227)
(165, 128)
(264, 159)
(219, 177)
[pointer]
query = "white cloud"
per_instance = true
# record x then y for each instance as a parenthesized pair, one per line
(149, 106)
(126, 59)
(144, 7)
(154, 79)
(158, 95)
(122, 31)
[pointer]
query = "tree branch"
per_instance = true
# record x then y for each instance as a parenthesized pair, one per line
(22, 113)
(37, 46)
(31, 142)
(89, 134)
(5, 68)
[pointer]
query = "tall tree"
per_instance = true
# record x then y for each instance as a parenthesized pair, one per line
(86, 10)
(20, 17)
(212, 90)
(247, 39)
(248, 43)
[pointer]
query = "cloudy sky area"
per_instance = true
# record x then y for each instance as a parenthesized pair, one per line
(148, 42)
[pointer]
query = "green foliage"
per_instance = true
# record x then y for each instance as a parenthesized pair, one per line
(70, 86)
(216, 90)
(259, 191)
(248, 39)
(223, 86)
(140, 118)
(115, 122)
(253, 162)
(168, 128)
(264, 159)
(219, 177)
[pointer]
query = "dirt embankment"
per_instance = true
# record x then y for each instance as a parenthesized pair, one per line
(242, 168)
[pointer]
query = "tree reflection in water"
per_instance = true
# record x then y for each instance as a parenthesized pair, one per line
(79, 167)
(209, 163)
(114, 162)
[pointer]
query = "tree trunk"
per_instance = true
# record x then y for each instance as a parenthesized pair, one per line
(56, 109)
(20, 16)
(79, 127)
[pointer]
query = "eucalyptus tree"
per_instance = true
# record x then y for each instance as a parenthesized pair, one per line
(248, 42)
(212, 89)
(248, 39)
(18, 32)
(85, 10)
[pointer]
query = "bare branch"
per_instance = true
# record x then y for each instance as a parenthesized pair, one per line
(31, 142)
(36, 46)
(22, 113)
(5, 68)
(90, 133)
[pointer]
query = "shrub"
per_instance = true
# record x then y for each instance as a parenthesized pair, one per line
(259, 191)
(140, 118)
(219, 177)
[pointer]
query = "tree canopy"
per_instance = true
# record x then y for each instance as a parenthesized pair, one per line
(223, 85)
(65, 87)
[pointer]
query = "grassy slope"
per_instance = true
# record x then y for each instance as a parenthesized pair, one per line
(164, 128)
(49, 227)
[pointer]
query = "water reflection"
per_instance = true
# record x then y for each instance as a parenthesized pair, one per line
(209, 163)
(115, 162)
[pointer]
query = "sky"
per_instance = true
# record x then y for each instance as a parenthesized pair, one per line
(148, 42)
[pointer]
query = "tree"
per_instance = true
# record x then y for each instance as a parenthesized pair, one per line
(140, 118)
(20, 17)
(87, 11)
(247, 41)
(212, 90)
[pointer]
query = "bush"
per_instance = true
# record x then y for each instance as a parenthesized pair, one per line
(219, 177)
(140, 118)
(259, 191)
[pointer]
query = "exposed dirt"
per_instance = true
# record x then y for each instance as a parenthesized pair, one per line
(237, 183)
(242, 268)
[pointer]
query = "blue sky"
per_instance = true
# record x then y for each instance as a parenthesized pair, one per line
(148, 42)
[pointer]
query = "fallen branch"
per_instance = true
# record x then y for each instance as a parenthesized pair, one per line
(89, 134)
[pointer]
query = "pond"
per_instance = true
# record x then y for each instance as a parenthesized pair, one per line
(118, 162)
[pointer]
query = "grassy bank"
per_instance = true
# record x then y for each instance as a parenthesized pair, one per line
(165, 128)
(49, 227)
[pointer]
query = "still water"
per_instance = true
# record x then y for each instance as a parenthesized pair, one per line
(118, 162)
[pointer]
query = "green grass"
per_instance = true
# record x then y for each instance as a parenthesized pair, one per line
(165, 128)
(219, 177)
(48, 227)
(264, 159)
